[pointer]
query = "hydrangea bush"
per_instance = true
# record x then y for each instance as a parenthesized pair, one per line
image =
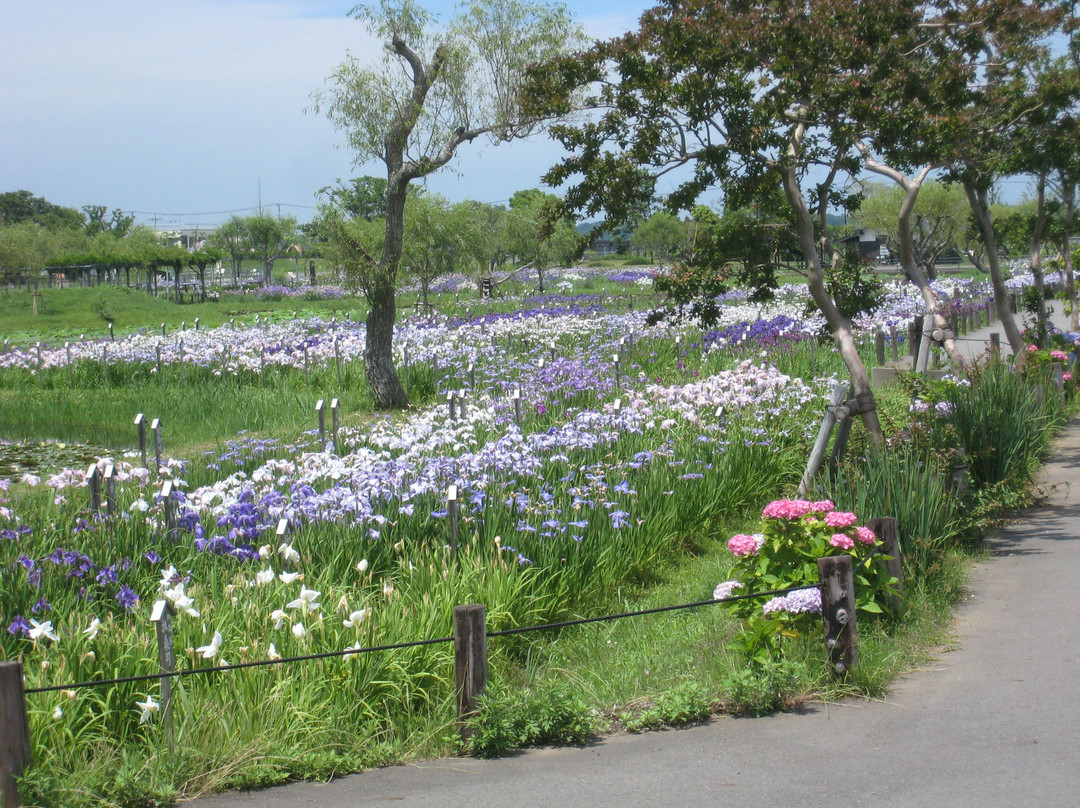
(794, 534)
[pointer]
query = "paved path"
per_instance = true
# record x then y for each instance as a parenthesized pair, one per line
(975, 343)
(994, 722)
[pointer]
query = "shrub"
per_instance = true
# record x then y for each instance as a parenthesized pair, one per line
(511, 719)
(764, 688)
(687, 703)
(796, 533)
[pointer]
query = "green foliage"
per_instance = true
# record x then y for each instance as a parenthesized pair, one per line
(1001, 425)
(511, 719)
(764, 687)
(736, 248)
(22, 206)
(853, 285)
(686, 703)
(907, 483)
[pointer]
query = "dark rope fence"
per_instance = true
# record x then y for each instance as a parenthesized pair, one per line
(470, 662)
(147, 677)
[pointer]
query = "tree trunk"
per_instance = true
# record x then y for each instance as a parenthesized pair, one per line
(379, 369)
(916, 276)
(979, 200)
(838, 324)
(1036, 258)
(1068, 194)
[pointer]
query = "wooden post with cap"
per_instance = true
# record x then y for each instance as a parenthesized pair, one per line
(15, 752)
(470, 661)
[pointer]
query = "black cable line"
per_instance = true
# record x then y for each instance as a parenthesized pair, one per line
(146, 677)
(657, 610)
(253, 664)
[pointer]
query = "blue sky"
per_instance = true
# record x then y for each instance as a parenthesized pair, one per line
(188, 111)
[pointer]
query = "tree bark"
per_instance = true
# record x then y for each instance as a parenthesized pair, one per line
(1068, 194)
(908, 261)
(838, 324)
(379, 369)
(1036, 256)
(979, 200)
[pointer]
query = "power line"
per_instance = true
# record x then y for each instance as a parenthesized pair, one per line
(222, 212)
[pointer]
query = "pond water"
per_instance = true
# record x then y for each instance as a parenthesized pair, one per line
(47, 457)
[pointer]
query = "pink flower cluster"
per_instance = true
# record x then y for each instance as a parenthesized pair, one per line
(840, 519)
(794, 508)
(842, 540)
(865, 535)
(742, 545)
(1059, 355)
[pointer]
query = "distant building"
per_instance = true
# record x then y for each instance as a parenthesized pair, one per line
(869, 246)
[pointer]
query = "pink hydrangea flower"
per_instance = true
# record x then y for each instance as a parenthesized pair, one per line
(1061, 355)
(724, 590)
(842, 541)
(823, 506)
(742, 545)
(865, 535)
(840, 519)
(787, 509)
(1032, 348)
(1066, 377)
(798, 602)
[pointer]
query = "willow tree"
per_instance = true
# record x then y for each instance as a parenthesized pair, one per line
(434, 91)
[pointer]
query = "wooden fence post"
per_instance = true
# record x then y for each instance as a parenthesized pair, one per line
(170, 511)
(838, 612)
(843, 434)
(15, 753)
(887, 532)
(817, 454)
(140, 423)
(93, 482)
(470, 661)
(995, 343)
(334, 422)
(923, 360)
(161, 617)
(110, 489)
(879, 347)
(159, 443)
(452, 515)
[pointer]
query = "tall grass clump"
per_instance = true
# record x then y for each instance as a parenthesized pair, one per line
(1002, 424)
(908, 485)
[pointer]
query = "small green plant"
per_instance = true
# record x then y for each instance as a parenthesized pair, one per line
(509, 720)
(687, 703)
(768, 687)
